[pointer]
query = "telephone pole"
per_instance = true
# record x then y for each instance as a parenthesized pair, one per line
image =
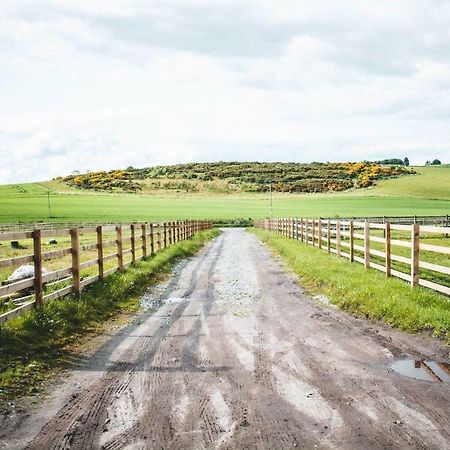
(48, 202)
(270, 200)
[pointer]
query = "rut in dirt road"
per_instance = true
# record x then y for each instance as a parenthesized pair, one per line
(238, 356)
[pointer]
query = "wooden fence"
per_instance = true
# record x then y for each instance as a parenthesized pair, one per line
(402, 251)
(141, 240)
(442, 221)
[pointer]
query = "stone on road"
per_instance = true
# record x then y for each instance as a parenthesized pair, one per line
(239, 356)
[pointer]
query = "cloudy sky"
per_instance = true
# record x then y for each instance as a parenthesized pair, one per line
(101, 84)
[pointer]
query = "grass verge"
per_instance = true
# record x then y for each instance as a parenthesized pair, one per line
(362, 292)
(37, 343)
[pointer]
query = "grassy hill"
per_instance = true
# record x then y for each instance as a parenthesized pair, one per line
(431, 182)
(427, 192)
(230, 177)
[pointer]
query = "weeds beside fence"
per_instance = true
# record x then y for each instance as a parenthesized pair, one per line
(419, 254)
(78, 258)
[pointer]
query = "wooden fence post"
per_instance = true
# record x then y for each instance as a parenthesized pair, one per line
(133, 244)
(338, 237)
(159, 236)
(165, 234)
(415, 233)
(100, 253)
(314, 232)
(75, 250)
(320, 233)
(119, 247)
(328, 236)
(307, 231)
(37, 260)
(352, 241)
(367, 244)
(387, 234)
(152, 239)
(144, 240)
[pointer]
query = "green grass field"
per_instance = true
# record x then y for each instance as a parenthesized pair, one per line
(427, 193)
(430, 182)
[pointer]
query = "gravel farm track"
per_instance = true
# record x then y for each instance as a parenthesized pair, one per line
(237, 355)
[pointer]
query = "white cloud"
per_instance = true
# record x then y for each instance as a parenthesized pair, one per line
(104, 84)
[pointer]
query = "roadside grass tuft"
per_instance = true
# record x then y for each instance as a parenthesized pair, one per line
(366, 293)
(34, 345)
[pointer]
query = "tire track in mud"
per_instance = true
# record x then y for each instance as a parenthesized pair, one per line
(83, 415)
(246, 359)
(148, 427)
(379, 434)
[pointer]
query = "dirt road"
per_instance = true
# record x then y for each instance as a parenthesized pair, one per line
(238, 356)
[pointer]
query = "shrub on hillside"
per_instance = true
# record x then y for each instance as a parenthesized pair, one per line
(242, 176)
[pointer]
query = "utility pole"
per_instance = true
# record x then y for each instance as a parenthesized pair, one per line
(48, 202)
(270, 200)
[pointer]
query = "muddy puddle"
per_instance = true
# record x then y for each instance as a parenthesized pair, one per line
(425, 370)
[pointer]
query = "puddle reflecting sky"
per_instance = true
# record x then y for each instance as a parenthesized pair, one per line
(423, 370)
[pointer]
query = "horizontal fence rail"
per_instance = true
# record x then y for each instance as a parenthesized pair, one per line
(83, 255)
(418, 254)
